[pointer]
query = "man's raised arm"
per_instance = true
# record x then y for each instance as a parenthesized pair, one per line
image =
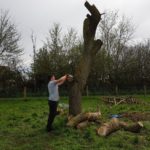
(61, 80)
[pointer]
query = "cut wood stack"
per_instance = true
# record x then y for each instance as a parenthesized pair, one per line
(121, 100)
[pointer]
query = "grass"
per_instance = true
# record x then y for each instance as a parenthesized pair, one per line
(23, 121)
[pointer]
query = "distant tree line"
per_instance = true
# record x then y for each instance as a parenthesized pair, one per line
(121, 63)
(11, 78)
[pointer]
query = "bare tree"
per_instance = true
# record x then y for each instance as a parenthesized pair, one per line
(142, 51)
(72, 46)
(116, 33)
(70, 40)
(33, 39)
(9, 40)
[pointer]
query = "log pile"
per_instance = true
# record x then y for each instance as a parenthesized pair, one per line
(82, 120)
(121, 100)
(115, 124)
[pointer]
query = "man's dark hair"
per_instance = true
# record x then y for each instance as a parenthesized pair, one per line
(50, 75)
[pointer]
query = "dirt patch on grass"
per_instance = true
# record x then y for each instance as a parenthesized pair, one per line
(137, 116)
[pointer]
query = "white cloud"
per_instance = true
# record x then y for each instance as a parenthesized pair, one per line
(39, 15)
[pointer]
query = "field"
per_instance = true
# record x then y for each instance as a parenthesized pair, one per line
(23, 121)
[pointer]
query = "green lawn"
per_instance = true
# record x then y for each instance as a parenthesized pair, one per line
(23, 121)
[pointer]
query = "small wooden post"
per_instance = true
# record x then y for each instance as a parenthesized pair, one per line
(25, 92)
(145, 90)
(87, 91)
(116, 90)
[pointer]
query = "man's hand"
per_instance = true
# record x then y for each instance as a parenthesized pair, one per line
(69, 77)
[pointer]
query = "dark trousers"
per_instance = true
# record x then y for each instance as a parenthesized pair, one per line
(52, 113)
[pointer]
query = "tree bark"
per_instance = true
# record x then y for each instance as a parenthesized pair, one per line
(91, 47)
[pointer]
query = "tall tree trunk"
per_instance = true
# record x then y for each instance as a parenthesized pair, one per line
(116, 90)
(145, 90)
(91, 47)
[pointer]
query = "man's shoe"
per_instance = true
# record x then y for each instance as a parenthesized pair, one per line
(49, 129)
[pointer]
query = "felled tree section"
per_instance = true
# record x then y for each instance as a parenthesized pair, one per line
(81, 120)
(115, 124)
(134, 127)
(109, 127)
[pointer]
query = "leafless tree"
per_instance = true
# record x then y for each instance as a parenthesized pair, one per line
(116, 33)
(9, 40)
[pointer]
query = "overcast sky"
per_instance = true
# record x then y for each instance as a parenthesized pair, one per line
(39, 15)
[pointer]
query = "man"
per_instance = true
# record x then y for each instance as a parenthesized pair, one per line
(54, 97)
